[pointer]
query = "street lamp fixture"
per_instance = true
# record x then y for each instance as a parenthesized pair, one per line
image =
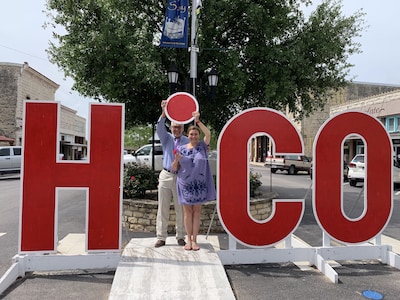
(212, 78)
(173, 74)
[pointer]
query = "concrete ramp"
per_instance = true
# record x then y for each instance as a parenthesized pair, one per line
(170, 272)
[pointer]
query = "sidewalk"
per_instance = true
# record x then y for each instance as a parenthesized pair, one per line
(170, 272)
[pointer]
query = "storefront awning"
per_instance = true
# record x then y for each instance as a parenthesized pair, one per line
(73, 144)
(6, 139)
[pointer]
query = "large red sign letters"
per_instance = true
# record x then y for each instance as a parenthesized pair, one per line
(328, 197)
(42, 173)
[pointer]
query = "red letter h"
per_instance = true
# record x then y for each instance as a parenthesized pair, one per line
(41, 174)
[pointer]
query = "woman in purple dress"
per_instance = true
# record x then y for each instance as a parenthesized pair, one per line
(195, 182)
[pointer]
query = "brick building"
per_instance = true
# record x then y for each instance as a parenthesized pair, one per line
(308, 127)
(20, 82)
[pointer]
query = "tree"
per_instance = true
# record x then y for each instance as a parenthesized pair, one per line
(267, 53)
(137, 136)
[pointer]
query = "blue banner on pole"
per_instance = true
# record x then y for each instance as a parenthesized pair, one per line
(175, 29)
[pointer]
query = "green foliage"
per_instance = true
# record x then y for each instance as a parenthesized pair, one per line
(274, 57)
(137, 180)
(255, 182)
(137, 136)
(267, 53)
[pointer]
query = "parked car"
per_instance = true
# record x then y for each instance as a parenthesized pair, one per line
(128, 158)
(345, 171)
(290, 163)
(357, 170)
(212, 160)
(144, 154)
(10, 159)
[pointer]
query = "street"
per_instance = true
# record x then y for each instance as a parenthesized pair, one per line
(268, 281)
(9, 221)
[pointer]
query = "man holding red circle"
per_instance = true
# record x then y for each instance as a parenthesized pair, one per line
(167, 180)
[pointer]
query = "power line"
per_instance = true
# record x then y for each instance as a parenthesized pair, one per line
(15, 50)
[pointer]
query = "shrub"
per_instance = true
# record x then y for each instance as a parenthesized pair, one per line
(255, 182)
(137, 180)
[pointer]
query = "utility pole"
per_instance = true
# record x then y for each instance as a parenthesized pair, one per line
(194, 50)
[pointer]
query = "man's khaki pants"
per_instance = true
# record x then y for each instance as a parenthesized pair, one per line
(167, 192)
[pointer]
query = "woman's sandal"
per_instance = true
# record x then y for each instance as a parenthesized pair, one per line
(195, 247)
(188, 247)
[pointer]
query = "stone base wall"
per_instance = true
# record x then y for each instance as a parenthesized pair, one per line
(140, 215)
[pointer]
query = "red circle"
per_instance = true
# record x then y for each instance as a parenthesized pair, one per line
(180, 107)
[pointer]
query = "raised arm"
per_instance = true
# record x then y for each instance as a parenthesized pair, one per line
(204, 129)
(160, 128)
(163, 104)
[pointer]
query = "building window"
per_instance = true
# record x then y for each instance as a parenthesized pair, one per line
(392, 124)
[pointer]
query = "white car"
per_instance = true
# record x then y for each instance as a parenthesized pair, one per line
(357, 170)
(10, 159)
(144, 155)
(129, 158)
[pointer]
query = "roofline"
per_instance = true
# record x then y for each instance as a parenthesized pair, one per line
(374, 83)
(25, 66)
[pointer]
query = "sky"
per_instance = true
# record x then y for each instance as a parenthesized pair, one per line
(23, 39)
